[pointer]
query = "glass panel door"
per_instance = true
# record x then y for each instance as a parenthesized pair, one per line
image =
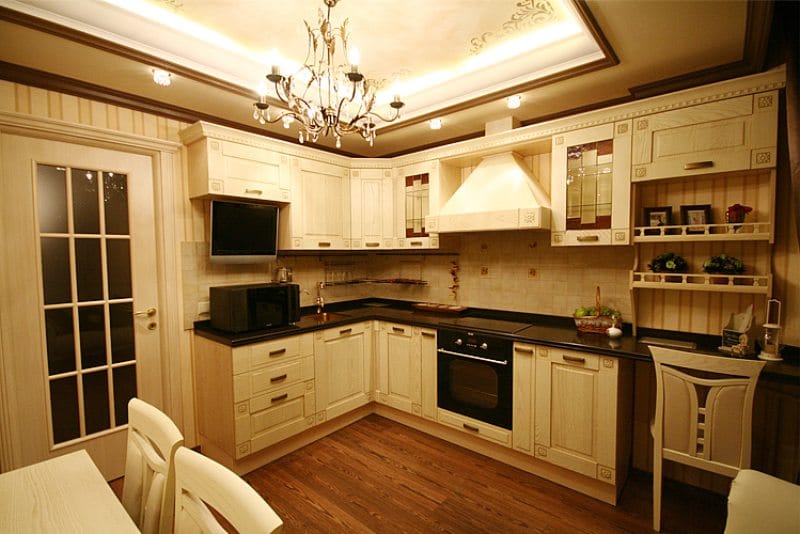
(88, 300)
(589, 185)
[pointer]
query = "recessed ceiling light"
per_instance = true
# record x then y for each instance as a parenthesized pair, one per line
(435, 124)
(162, 77)
(514, 101)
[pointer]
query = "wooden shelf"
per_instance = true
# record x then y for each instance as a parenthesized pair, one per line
(748, 231)
(760, 285)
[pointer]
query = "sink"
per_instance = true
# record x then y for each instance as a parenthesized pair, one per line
(326, 317)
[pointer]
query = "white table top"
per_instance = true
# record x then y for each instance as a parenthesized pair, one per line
(63, 494)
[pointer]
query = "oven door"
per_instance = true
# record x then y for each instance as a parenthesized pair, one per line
(475, 386)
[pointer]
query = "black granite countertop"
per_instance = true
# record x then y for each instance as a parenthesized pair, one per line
(543, 330)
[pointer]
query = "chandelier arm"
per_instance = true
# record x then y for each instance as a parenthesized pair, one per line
(377, 115)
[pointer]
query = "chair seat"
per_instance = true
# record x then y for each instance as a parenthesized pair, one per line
(762, 503)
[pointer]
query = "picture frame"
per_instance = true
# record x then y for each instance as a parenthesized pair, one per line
(696, 214)
(657, 216)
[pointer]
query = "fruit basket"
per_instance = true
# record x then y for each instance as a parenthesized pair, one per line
(597, 319)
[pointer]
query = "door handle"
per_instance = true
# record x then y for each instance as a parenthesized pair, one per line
(149, 312)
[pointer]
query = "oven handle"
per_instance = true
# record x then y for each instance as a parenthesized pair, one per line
(461, 355)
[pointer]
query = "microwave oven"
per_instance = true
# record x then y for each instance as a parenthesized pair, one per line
(241, 308)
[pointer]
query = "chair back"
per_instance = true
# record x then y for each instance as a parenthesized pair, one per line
(704, 419)
(148, 492)
(200, 483)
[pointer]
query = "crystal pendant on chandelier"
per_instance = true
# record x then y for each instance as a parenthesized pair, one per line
(324, 97)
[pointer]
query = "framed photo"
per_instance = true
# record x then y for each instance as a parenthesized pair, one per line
(696, 214)
(658, 216)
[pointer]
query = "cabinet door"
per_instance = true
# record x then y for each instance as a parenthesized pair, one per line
(575, 421)
(343, 369)
(727, 135)
(398, 367)
(590, 186)
(372, 209)
(524, 386)
(413, 187)
(427, 349)
(319, 216)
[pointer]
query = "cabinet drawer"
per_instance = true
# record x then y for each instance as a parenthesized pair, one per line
(570, 357)
(345, 330)
(272, 378)
(475, 428)
(272, 409)
(270, 352)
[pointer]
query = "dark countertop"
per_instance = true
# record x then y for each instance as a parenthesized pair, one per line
(543, 330)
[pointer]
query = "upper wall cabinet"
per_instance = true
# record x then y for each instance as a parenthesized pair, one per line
(727, 135)
(371, 209)
(590, 186)
(319, 217)
(416, 189)
(225, 164)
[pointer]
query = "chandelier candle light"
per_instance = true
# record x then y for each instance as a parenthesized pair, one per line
(323, 97)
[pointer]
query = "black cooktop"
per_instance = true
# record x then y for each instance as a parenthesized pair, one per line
(485, 325)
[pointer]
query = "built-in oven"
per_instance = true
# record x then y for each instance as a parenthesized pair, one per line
(475, 375)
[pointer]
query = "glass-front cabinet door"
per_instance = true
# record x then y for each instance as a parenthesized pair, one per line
(591, 186)
(413, 189)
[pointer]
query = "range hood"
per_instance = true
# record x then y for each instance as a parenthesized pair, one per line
(501, 193)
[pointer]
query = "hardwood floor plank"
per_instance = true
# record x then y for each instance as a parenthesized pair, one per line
(380, 476)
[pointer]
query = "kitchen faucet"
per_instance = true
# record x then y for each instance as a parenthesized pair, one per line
(320, 301)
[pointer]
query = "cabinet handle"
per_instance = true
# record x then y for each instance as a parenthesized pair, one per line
(279, 397)
(278, 378)
(254, 191)
(573, 359)
(523, 351)
(372, 244)
(471, 428)
(428, 334)
(698, 165)
(398, 330)
(324, 244)
(415, 243)
(277, 352)
(345, 331)
(586, 238)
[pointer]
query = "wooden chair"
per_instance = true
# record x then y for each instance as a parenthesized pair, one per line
(200, 483)
(701, 421)
(148, 492)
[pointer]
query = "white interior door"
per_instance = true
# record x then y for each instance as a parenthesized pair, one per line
(78, 306)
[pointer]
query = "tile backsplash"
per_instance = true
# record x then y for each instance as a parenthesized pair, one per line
(516, 271)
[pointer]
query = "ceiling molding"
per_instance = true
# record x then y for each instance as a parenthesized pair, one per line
(759, 22)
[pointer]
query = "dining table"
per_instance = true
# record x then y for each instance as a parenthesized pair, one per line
(62, 494)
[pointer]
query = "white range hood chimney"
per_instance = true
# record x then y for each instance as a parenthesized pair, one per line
(501, 193)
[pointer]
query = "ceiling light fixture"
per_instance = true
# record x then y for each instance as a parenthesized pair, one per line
(325, 97)
(513, 102)
(162, 77)
(435, 124)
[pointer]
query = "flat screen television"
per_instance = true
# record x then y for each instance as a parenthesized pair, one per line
(243, 232)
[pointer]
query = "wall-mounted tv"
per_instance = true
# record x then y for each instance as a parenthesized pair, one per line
(243, 232)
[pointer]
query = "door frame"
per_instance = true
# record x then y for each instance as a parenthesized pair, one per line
(170, 232)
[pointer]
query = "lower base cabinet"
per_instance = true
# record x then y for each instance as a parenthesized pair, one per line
(343, 369)
(398, 372)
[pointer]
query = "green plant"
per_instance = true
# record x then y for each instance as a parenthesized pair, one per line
(723, 264)
(593, 311)
(668, 262)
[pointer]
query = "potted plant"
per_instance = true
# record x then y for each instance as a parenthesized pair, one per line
(723, 264)
(669, 262)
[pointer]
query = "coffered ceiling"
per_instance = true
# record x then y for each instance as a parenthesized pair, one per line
(449, 59)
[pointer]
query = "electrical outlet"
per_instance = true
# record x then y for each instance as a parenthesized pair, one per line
(203, 307)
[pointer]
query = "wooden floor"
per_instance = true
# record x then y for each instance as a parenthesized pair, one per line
(379, 476)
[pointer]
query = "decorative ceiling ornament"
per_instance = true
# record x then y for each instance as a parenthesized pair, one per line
(529, 13)
(325, 97)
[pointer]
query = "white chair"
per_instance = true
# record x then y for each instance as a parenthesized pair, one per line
(148, 492)
(762, 503)
(201, 482)
(702, 419)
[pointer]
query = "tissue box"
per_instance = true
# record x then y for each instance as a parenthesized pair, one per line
(739, 335)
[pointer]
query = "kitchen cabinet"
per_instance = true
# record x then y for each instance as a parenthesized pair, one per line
(319, 218)
(372, 209)
(343, 369)
(474, 427)
(427, 349)
(581, 412)
(524, 386)
(253, 396)
(590, 186)
(399, 372)
(416, 190)
(726, 135)
(223, 162)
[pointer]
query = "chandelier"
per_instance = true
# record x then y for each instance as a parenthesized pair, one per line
(325, 97)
